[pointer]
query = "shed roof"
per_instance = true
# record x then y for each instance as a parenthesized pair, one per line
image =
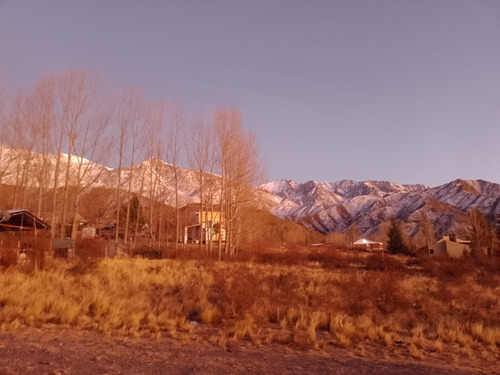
(16, 220)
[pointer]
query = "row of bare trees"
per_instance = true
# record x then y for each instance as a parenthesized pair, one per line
(56, 137)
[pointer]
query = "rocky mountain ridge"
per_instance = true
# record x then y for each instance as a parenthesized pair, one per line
(336, 206)
(325, 207)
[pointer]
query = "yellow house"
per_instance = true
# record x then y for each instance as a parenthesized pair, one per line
(202, 226)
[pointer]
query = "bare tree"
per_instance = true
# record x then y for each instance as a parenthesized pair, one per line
(23, 143)
(200, 147)
(41, 125)
(85, 117)
(480, 232)
(7, 154)
(132, 121)
(175, 120)
(426, 229)
(154, 154)
(6, 160)
(4, 155)
(353, 234)
(239, 169)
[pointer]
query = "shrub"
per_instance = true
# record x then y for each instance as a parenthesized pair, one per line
(83, 266)
(8, 257)
(37, 247)
(234, 292)
(451, 268)
(287, 258)
(8, 250)
(26, 251)
(446, 267)
(358, 295)
(378, 262)
(328, 259)
(147, 252)
(387, 293)
(90, 248)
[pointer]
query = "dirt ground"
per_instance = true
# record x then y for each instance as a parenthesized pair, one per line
(61, 351)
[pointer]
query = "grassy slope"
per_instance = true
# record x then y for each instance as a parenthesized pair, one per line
(305, 297)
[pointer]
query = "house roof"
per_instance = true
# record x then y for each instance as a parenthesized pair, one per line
(16, 220)
(457, 240)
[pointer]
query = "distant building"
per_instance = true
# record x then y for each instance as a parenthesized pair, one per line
(365, 244)
(21, 220)
(450, 246)
(89, 232)
(202, 226)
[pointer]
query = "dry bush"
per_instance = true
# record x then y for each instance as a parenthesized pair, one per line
(258, 245)
(451, 268)
(244, 329)
(452, 332)
(83, 266)
(488, 270)
(234, 292)
(388, 294)
(279, 292)
(288, 258)
(8, 250)
(90, 248)
(39, 246)
(8, 257)
(374, 293)
(23, 249)
(473, 305)
(329, 259)
(447, 267)
(302, 304)
(147, 252)
(427, 263)
(487, 279)
(381, 262)
(357, 297)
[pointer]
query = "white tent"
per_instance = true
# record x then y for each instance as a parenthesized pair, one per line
(368, 244)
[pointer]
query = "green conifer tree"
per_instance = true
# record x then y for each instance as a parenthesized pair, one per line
(395, 243)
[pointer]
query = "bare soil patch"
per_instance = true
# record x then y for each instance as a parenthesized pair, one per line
(62, 351)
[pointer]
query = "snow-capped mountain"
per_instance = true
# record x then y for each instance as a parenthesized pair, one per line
(325, 207)
(152, 177)
(336, 206)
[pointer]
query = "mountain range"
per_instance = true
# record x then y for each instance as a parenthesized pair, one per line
(325, 207)
(336, 206)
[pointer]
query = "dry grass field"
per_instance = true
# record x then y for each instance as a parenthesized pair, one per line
(303, 297)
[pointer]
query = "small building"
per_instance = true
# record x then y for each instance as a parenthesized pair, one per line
(63, 248)
(27, 230)
(89, 232)
(108, 232)
(365, 244)
(202, 226)
(450, 246)
(21, 220)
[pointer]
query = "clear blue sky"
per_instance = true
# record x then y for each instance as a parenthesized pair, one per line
(406, 91)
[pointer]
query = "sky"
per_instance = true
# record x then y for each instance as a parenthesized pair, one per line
(404, 91)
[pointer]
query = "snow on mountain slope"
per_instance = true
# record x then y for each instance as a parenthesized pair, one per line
(367, 204)
(350, 189)
(322, 206)
(464, 194)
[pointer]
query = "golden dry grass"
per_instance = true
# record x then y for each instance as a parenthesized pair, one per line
(311, 304)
